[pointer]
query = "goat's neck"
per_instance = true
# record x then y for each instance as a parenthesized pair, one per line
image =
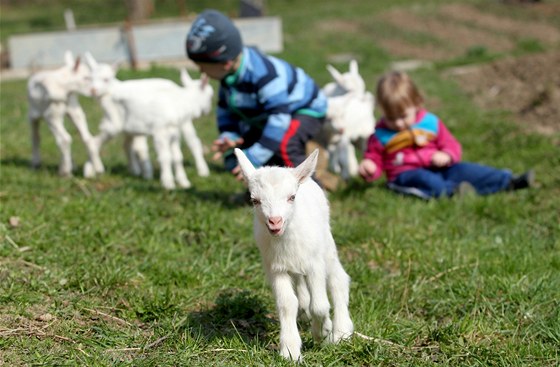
(109, 107)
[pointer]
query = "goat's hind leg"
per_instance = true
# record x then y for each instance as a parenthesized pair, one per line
(138, 153)
(339, 288)
(35, 141)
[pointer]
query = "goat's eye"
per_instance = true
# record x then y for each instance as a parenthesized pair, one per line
(255, 201)
(291, 198)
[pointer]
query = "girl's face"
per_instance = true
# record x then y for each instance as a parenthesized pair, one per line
(403, 122)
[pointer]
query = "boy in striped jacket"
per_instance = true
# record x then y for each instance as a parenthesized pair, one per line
(266, 106)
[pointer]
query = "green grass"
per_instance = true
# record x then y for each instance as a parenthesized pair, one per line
(115, 271)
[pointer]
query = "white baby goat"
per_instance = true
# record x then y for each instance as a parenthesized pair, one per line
(137, 147)
(350, 119)
(52, 94)
(152, 107)
(292, 230)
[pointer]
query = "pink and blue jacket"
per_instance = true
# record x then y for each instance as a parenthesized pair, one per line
(395, 152)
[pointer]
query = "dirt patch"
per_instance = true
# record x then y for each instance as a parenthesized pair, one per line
(529, 86)
(453, 30)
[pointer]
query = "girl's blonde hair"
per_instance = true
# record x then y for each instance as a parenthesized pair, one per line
(395, 93)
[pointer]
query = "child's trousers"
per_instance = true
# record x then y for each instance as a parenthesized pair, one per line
(436, 182)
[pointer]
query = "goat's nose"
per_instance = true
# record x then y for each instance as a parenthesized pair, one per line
(275, 221)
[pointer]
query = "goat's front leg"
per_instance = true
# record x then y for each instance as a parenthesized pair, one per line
(163, 150)
(287, 306)
(97, 141)
(55, 119)
(195, 146)
(78, 117)
(177, 160)
(343, 150)
(352, 160)
(321, 324)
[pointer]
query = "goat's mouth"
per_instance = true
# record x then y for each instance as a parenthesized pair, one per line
(276, 231)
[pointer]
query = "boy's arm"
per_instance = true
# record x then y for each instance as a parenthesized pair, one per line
(276, 127)
(228, 124)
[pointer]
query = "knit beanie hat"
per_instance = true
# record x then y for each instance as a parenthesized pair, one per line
(213, 38)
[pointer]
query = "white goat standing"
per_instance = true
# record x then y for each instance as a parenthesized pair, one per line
(292, 230)
(350, 119)
(51, 95)
(151, 107)
(137, 147)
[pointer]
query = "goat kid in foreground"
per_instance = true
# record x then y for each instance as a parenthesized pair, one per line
(292, 230)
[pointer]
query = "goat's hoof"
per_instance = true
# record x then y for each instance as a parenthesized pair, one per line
(168, 186)
(64, 173)
(291, 355)
(342, 334)
(185, 185)
(89, 171)
(203, 172)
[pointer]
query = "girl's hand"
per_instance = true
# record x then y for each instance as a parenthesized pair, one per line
(367, 168)
(441, 159)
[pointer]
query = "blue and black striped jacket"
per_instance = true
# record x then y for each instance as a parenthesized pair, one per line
(264, 93)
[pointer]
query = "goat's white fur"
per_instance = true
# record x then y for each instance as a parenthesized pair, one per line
(153, 107)
(52, 94)
(350, 119)
(137, 147)
(292, 231)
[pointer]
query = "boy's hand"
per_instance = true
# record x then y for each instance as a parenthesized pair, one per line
(237, 173)
(441, 159)
(220, 146)
(367, 169)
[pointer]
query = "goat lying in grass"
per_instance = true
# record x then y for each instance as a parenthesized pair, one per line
(52, 94)
(350, 119)
(151, 107)
(292, 230)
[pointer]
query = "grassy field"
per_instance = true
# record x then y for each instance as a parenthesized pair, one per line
(116, 271)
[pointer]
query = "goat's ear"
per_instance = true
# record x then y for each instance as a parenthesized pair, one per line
(337, 76)
(69, 58)
(245, 164)
(307, 167)
(90, 61)
(354, 67)
(185, 77)
(76, 64)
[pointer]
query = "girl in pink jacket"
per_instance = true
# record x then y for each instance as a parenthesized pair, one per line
(419, 155)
